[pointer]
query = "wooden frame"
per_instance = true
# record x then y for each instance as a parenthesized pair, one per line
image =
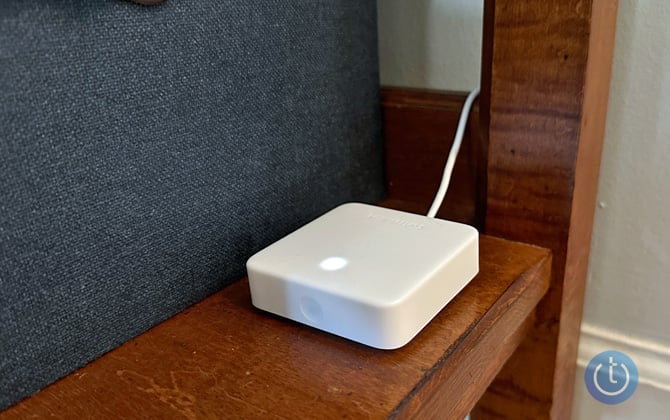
(545, 81)
(527, 172)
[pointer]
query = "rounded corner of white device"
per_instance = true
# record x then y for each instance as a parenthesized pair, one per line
(397, 344)
(351, 204)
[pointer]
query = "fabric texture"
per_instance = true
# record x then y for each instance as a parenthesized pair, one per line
(147, 152)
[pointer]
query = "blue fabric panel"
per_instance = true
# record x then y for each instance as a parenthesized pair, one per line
(146, 152)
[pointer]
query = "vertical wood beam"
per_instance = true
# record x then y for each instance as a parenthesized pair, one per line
(546, 71)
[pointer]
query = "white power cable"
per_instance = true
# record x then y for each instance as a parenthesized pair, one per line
(451, 159)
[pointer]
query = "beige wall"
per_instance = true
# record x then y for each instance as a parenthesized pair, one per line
(437, 43)
(430, 43)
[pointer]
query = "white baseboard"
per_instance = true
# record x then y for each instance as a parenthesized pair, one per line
(651, 358)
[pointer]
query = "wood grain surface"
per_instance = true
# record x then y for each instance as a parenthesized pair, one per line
(546, 75)
(419, 127)
(222, 358)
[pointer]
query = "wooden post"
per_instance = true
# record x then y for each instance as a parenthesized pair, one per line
(545, 83)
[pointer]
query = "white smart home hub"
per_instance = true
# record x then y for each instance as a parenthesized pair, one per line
(366, 273)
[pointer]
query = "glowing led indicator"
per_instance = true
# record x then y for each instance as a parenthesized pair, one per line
(333, 263)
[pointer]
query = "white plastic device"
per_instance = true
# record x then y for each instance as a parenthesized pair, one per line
(370, 274)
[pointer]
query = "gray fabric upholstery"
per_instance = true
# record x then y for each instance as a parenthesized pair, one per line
(145, 153)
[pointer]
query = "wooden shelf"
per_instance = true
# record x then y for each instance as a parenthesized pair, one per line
(223, 358)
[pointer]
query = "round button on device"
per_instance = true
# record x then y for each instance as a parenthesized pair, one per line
(311, 309)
